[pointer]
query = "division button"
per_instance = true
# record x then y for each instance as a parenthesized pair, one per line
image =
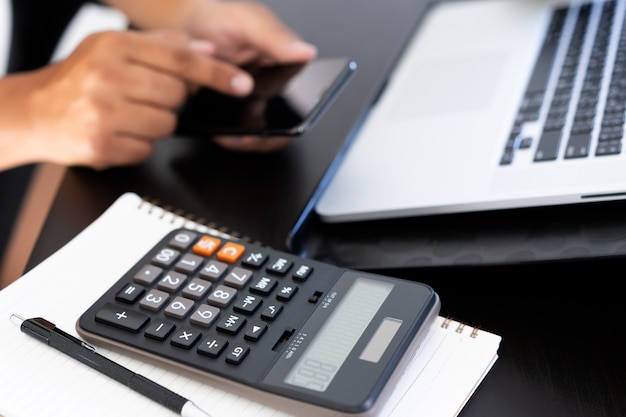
(212, 346)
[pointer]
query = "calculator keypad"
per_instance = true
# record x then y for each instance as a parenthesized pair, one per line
(205, 294)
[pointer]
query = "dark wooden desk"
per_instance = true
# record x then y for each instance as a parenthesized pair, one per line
(562, 352)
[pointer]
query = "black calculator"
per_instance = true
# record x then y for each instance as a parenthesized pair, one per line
(301, 329)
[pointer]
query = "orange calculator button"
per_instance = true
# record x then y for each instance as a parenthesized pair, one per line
(230, 252)
(207, 245)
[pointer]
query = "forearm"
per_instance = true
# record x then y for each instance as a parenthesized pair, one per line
(15, 147)
(157, 14)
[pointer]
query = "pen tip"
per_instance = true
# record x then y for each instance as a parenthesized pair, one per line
(191, 410)
(17, 319)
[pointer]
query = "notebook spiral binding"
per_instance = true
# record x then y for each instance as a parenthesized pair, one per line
(194, 222)
(460, 326)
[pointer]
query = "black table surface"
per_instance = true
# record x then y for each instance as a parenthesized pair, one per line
(562, 352)
(563, 343)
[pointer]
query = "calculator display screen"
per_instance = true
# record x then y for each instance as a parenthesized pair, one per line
(323, 358)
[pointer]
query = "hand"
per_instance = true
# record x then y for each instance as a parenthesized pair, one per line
(109, 101)
(249, 34)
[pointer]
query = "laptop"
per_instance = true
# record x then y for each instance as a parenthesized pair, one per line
(494, 104)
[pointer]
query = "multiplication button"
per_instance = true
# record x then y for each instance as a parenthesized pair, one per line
(185, 338)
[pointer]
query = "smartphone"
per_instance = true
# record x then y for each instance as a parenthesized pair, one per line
(287, 101)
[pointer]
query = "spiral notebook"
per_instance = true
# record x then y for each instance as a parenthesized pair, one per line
(451, 363)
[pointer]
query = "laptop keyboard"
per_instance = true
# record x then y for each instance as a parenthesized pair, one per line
(580, 107)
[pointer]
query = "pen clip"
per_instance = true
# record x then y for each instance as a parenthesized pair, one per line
(88, 346)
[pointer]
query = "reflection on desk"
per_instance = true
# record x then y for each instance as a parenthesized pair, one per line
(543, 234)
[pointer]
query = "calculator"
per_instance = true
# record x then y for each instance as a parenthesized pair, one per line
(307, 331)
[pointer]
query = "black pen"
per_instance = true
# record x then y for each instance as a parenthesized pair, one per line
(46, 332)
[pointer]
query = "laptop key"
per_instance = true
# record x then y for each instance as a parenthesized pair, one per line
(548, 146)
(541, 72)
(578, 145)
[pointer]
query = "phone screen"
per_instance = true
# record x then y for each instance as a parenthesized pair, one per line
(287, 101)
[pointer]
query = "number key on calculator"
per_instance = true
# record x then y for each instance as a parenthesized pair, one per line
(267, 319)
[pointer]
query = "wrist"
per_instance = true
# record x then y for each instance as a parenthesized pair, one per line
(194, 21)
(16, 147)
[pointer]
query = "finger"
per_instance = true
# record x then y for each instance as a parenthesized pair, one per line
(124, 149)
(176, 58)
(278, 41)
(253, 143)
(144, 121)
(202, 46)
(104, 151)
(144, 84)
(182, 39)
